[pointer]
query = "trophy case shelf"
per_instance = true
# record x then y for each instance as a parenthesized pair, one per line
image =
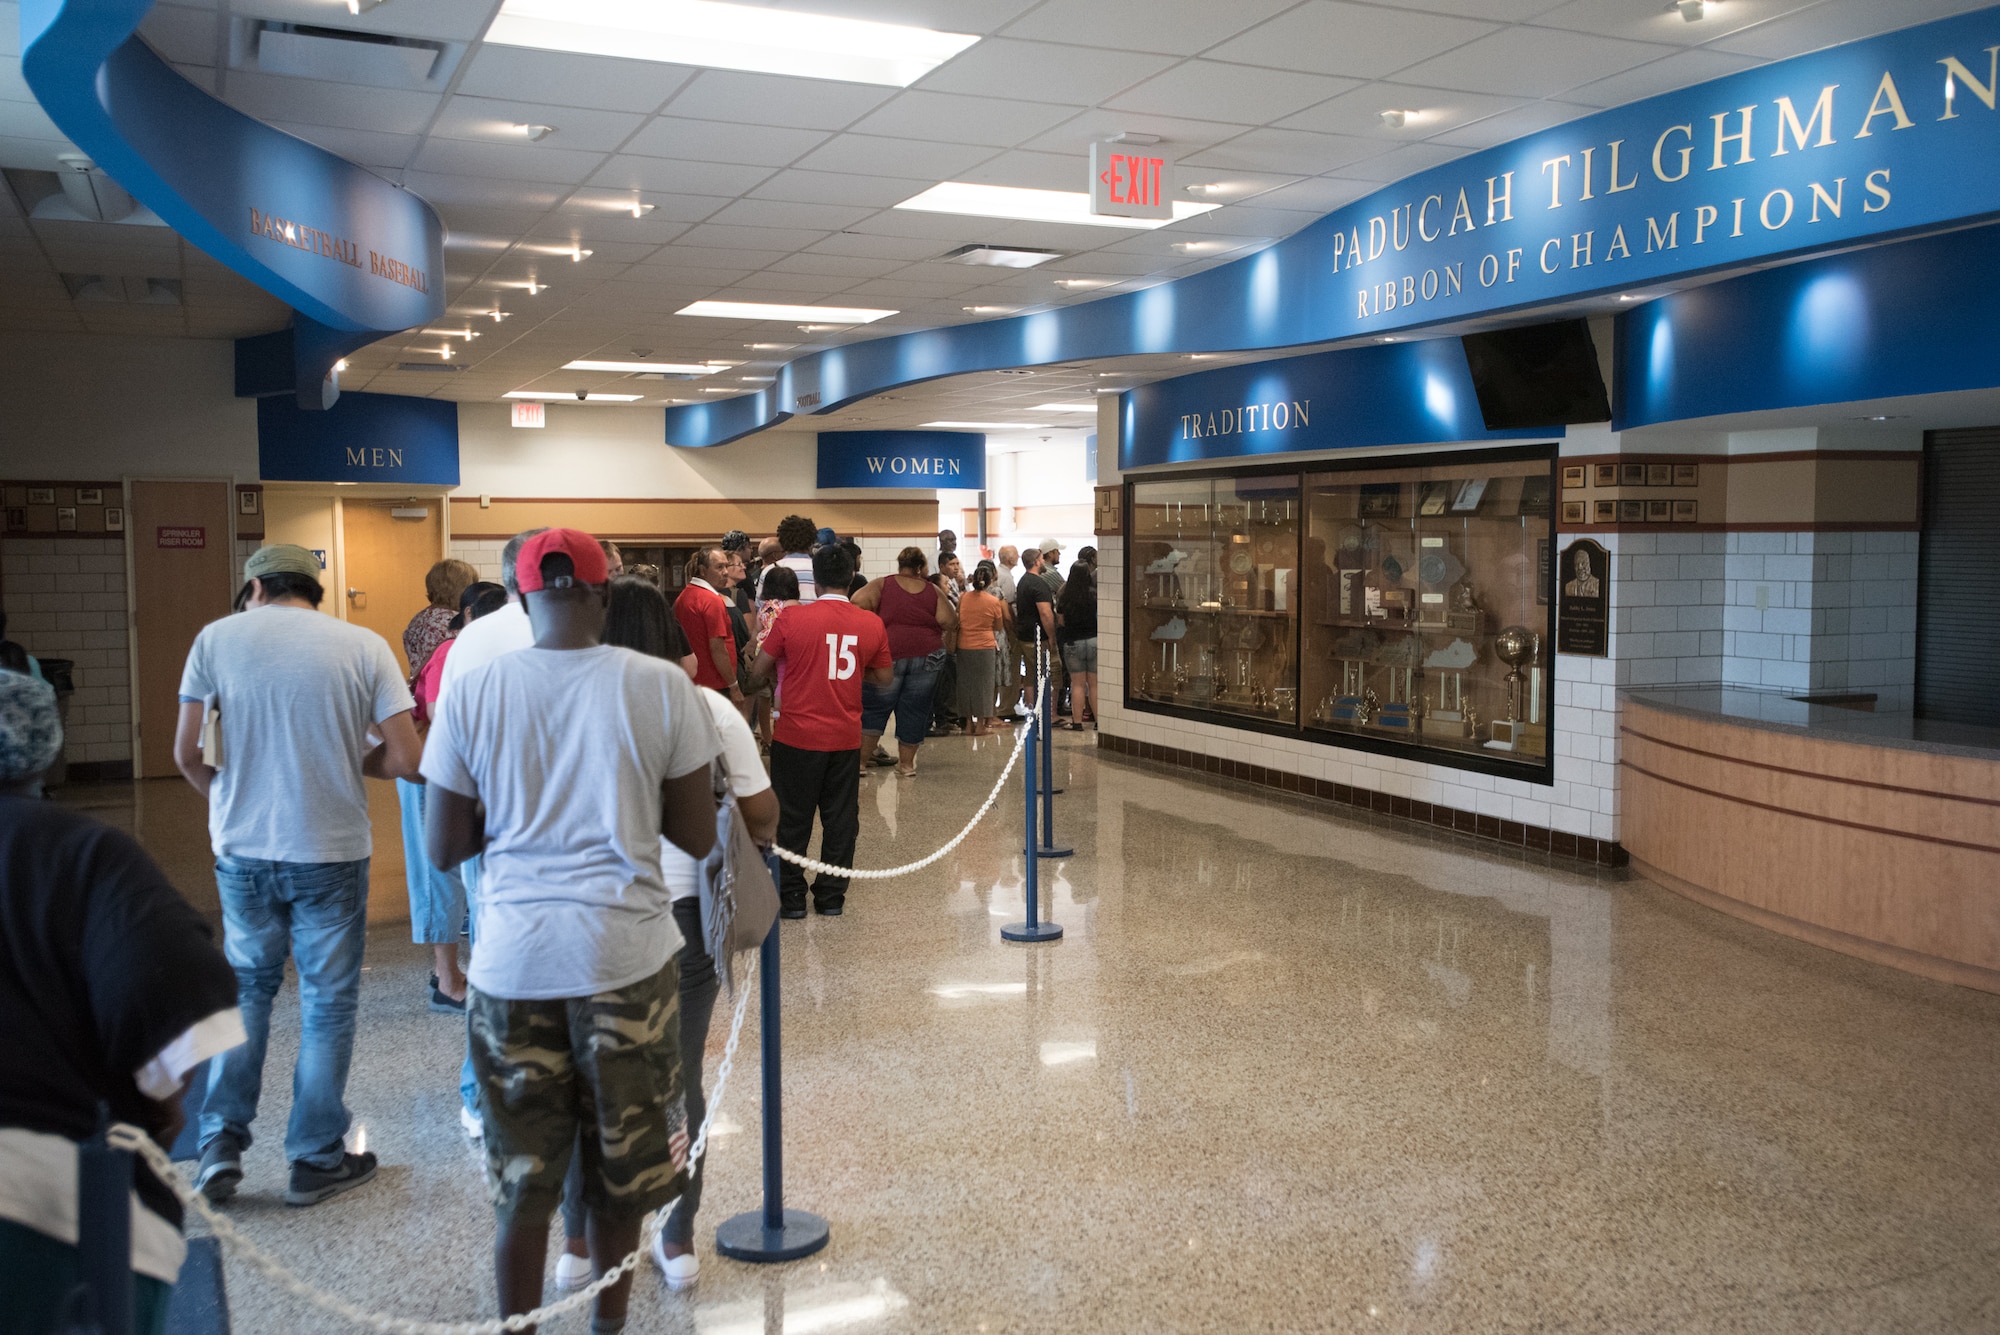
(1405, 609)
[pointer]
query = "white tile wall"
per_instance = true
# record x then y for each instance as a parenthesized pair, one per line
(66, 599)
(1823, 612)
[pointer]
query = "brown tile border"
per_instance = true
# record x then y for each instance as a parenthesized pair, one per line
(1600, 852)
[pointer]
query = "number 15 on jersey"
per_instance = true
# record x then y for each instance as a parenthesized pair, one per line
(840, 662)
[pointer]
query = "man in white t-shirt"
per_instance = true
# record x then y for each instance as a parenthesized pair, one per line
(797, 535)
(495, 634)
(301, 700)
(565, 764)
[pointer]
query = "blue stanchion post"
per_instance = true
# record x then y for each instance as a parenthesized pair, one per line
(1048, 847)
(1033, 929)
(104, 1230)
(773, 1233)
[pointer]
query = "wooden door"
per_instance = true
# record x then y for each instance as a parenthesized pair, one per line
(183, 577)
(386, 559)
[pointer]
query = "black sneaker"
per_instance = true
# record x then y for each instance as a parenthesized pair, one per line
(791, 909)
(826, 908)
(312, 1185)
(442, 1003)
(221, 1167)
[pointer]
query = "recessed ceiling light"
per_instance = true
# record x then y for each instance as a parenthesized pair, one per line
(769, 347)
(757, 379)
(498, 314)
(1693, 11)
(445, 352)
(467, 334)
(340, 365)
(1001, 257)
(671, 368)
(725, 389)
(534, 134)
(589, 395)
(1199, 247)
(983, 426)
(1883, 417)
(1389, 338)
(1015, 370)
(1007, 201)
(1203, 356)
(1065, 407)
(758, 310)
(730, 37)
(1110, 389)
(1631, 296)
(1209, 188)
(1395, 118)
(1084, 284)
(989, 310)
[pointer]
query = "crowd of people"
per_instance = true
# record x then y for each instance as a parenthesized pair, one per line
(560, 742)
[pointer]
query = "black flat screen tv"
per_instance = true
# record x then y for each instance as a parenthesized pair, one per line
(1538, 375)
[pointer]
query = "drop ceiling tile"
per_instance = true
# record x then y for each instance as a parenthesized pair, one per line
(1179, 135)
(1043, 72)
(1508, 125)
(444, 20)
(955, 118)
(1498, 11)
(35, 153)
(1661, 76)
(1249, 220)
(1212, 90)
(897, 289)
(785, 213)
(1838, 21)
(1317, 195)
(663, 175)
(784, 239)
(700, 253)
(771, 285)
(1298, 152)
(1361, 41)
(776, 99)
(483, 192)
(271, 97)
(570, 80)
(807, 187)
(368, 148)
(1434, 110)
(869, 155)
(1034, 171)
(609, 236)
(851, 267)
(1403, 160)
(715, 141)
(875, 245)
(1174, 27)
(507, 162)
(1533, 62)
(491, 120)
(180, 34)
(201, 76)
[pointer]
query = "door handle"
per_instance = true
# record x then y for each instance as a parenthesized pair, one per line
(358, 597)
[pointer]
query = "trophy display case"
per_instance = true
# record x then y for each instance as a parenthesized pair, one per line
(1402, 609)
(1213, 597)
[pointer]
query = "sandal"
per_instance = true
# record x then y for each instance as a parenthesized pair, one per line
(909, 773)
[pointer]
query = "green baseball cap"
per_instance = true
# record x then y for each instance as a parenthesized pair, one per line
(282, 558)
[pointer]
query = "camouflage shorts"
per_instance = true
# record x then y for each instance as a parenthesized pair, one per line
(605, 1066)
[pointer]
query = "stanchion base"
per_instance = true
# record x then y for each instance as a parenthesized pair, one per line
(1050, 851)
(743, 1237)
(1030, 931)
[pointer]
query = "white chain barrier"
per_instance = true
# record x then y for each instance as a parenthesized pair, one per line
(126, 1137)
(814, 865)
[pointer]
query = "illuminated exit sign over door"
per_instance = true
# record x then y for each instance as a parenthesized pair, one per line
(1128, 181)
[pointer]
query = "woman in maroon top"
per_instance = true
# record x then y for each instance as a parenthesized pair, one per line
(917, 615)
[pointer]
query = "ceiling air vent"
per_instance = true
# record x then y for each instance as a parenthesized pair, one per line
(119, 290)
(1000, 257)
(340, 55)
(80, 192)
(433, 367)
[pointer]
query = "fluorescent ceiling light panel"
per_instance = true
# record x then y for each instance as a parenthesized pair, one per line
(1065, 407)
(730, 37)
(591, 396)
(1002, 257)
(1024, 205)
(671, 368)
(984, 426)
(757, 310)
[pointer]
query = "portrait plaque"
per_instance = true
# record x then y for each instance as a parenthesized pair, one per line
(1583, 608)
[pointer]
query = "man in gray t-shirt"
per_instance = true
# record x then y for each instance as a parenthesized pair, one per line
(299, 707)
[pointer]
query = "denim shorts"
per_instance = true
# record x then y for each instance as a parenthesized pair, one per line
(1081, 655)
(908, 697)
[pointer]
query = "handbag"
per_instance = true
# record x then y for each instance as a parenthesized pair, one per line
(739, 902)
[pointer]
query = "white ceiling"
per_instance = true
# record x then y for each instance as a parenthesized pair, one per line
(772, 188)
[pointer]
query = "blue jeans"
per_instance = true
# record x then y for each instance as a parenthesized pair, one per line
(468, 1083)
(318, 913)
(909, 696)
(437, 898)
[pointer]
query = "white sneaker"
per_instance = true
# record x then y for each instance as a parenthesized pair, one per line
(468, 1121)
(572, 1272)
(680, 1271)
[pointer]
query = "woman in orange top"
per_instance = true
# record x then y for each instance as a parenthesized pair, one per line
(981, 616)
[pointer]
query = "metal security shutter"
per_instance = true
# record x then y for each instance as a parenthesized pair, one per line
(1958, 589)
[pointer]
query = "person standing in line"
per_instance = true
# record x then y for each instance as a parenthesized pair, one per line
(1076, 633)
(983, 623)
(917, 617)
(783, 591)
(1051, 572)
(950, 580)
(857, 581)
(614, 560)
(703, 614)
(796, 538)
(1051, 566)
(437, 898)
(826, 648)
(1010, 648)
(636, 617)
(566, 763)
(443, 585)
(1034, 622)
(111, 992)
(308, 706)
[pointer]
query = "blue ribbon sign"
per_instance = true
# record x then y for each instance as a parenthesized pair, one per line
(927, 459)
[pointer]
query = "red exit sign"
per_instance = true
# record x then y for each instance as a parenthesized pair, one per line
(1130, 182)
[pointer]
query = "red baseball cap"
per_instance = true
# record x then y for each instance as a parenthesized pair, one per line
(579, 547)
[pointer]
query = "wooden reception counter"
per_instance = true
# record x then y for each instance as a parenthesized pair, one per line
(1873, 834)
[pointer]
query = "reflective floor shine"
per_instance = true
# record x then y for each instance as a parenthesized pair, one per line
(1289, 1070)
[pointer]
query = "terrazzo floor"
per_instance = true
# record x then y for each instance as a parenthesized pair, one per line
(1290, 1069)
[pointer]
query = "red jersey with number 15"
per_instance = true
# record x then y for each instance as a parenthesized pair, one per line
(825, 646)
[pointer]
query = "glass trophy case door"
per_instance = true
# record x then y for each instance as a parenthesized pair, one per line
(1213, 601)
(1428, 615)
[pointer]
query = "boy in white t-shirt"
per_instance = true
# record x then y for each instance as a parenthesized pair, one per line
(583, 757)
